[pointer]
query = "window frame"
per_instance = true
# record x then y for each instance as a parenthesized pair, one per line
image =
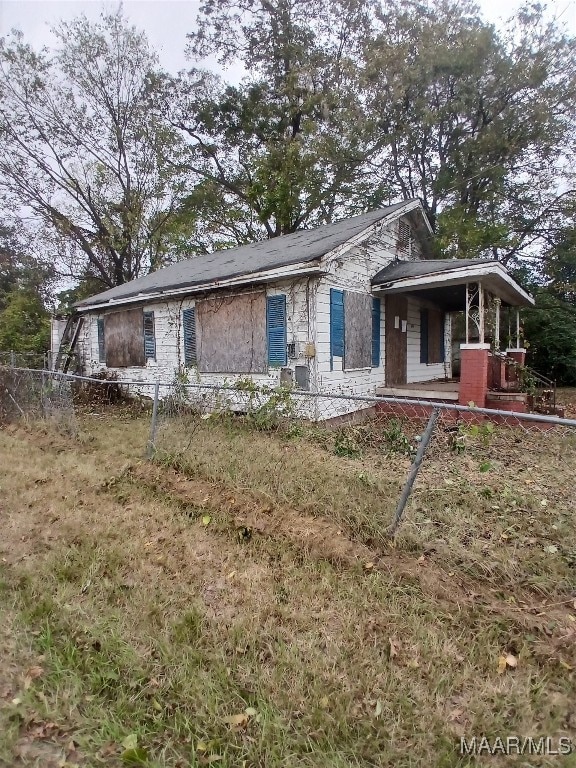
(149, 337)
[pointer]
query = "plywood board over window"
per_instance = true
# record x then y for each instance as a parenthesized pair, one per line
(358, 330)
(124, 334)
(231, 334)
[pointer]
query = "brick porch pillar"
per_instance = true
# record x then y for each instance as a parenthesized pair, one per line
(473, 374)
(519, 355)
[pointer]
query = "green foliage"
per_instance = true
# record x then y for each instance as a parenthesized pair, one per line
(24, 323)
(346, 444)
(396, 439)
(551, 329)
(550, 326)
(471, 433)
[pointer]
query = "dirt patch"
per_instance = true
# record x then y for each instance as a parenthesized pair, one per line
(313, 536)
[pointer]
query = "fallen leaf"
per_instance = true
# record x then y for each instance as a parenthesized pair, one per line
(130, 742)
(251, 712)
(378, 709)
(324, 702)
(35, 672)
(511, 661)
(206, 519)
(368, 566)
(551, 548)
(236, 721)
(501, 665)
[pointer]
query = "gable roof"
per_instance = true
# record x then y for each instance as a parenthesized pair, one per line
(302, 247)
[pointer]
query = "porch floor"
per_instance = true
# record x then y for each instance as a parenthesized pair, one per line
(438, 389)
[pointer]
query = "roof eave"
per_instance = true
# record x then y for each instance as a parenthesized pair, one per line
(514, 294)
(301, 269)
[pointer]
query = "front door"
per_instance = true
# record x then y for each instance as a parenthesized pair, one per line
(396, 333)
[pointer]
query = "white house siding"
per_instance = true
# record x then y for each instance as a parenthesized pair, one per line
(56, 332)
(170, 342)
(351, 271)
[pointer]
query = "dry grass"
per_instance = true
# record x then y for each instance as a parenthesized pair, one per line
(251, 577)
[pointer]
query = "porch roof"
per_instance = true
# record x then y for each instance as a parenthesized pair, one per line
(443, 281)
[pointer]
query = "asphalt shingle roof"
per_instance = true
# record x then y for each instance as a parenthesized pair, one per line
(399, 270)
(303, 246)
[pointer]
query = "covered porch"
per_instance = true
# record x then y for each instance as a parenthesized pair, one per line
(475, 301)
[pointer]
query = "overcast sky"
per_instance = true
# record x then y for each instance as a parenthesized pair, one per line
(166, 22)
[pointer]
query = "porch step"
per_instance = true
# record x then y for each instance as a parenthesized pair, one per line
(418, 394)
(506, 397)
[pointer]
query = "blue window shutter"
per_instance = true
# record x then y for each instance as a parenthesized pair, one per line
(189, 329)
(336, 323)
(276, 329)
(149, 337)
(423, 335)
(101, 346)
(375, 332)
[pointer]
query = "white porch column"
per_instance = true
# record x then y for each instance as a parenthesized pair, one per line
(481, 313)
(517, 329)
(467, 313)
(497, 303)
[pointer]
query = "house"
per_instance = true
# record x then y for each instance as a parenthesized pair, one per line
(355, 307)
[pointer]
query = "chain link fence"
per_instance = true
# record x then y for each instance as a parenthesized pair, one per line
(32, 360)
(368, 463)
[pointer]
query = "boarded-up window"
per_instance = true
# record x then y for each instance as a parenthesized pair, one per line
(123, 332)
(189, 330)
(101, 343)
(431, 336)
(149, 336)
(231, 334)
(358, 333)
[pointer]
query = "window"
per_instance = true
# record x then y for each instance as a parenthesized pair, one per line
(101, 345)
(276, 330)
(189, 332)
(336, 323)
(149, 337)
(432, 336)
(123, 333)
(375, 332)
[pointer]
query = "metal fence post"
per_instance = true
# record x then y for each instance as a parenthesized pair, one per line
(414, 471)
(153, 425)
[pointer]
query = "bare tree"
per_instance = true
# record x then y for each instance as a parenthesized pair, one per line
(81, 149)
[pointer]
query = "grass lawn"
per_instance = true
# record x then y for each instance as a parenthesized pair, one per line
(241, 605)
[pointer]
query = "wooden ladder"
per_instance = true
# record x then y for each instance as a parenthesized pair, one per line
(68, 343)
